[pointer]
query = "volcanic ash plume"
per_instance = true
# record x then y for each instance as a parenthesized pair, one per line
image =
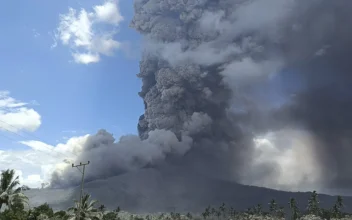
(109, 158)
(213, 63)
(254, 91)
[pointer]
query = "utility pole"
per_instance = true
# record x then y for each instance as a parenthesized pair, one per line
(82, 182)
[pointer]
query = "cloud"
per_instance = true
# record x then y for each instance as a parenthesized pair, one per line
(33, 181)
(108, 12)
(90, 34)
(86, 58)
(36, 165)
(16, 115)
(37, 145)
(30, 165)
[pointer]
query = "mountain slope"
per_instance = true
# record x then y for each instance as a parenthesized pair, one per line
(151, 190)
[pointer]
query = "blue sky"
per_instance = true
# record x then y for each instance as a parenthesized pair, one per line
(71, 96)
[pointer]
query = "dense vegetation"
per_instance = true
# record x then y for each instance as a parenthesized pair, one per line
(15, 206)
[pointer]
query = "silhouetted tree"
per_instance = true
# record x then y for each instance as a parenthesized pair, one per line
(313, 204)
(294, 209)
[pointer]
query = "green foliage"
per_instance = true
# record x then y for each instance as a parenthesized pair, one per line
(258, 209)
(294, 209)
(206, 213)
(14, 215)
(10, 191)
(87, 209)
(137, 218)
(110, 216)
(101, 208)
(43, 209)
(175, 216)
(222, 210)
(189, 215)
(273, 207)
(61, 215)
(336, 211)
(10, 195)
(313, 204)
(232, 212)
(281, 212)
(325, 214)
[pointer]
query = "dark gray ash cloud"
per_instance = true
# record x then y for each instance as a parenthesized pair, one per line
(208, 69)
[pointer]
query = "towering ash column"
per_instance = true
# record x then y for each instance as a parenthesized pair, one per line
(204, 61)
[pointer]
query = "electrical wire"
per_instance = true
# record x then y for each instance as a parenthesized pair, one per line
(39, 139)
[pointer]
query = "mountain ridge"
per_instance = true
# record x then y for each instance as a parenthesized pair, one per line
(151, 190)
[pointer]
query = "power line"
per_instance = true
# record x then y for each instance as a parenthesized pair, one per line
(65, 155)
(36, 137)
(11, 139)
(51, 149)
(13, 132)
(82, 182)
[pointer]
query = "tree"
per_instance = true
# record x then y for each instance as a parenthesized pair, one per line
(101, 208)
(161, 216)
(118, 209)
(231, 212)
(61, 215)
(13, 215)
(213, 211)
(313, 204)
(250, 211)
(42, 217)
(339, 202)
(281, 212)
(336, 209)
(206, 213)
(44, 210)
(222, 209)
(273, 207)
(294, 209)
(217, 213)
(87, 210)
(25, 188)
(10, 191)
(110, 216)
(258, 209)
(325, 214)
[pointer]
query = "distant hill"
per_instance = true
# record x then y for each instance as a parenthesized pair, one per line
(150, 190)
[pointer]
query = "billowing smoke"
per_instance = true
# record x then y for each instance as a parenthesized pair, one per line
(110, 159)
(254, 91)
(219, 58)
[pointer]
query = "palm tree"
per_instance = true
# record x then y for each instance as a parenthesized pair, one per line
(10, 191)
(87, 210)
